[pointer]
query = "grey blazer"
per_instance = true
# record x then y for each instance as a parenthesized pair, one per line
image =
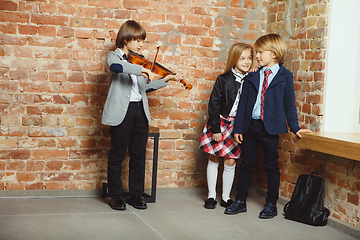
(118, 97)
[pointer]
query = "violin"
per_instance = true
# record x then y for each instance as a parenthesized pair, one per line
(153, 66)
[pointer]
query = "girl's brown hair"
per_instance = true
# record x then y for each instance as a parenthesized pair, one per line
(235, 53)
(130, 30)
(274, 43)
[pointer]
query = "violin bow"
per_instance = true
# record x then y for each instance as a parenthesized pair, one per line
(152, 65)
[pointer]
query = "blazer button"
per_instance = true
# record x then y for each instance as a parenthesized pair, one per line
(130, 83)
(127, 96)
(124, 110)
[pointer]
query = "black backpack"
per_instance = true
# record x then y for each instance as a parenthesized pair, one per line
(307, 201)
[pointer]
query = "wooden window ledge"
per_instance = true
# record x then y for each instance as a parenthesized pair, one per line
(345, 145)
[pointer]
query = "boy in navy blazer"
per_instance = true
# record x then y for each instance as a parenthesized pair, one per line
(267, 103)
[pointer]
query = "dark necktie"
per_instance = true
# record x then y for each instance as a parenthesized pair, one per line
(263, 90)
(125, 57)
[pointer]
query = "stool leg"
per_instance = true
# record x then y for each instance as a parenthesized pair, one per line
(155, 164)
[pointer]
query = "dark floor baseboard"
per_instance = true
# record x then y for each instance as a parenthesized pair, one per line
(50, 193)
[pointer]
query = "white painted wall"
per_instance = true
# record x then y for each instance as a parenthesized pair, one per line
(342, 73)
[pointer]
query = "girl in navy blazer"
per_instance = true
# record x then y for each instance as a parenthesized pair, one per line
(217, 138)
(267, 103)
(126, 110)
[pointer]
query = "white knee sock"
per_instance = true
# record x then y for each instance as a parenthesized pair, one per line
(212, 174)
(228, 179)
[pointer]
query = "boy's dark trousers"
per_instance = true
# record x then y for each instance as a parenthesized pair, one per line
(255, 136)
(131, 134)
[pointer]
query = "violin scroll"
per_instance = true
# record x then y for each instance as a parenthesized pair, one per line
(187, 86)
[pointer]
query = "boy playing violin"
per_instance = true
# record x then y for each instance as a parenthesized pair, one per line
(126, 110)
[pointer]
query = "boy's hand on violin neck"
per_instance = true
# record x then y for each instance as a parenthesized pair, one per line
(176, 77)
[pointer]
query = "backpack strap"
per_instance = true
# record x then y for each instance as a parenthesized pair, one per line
(286, 206)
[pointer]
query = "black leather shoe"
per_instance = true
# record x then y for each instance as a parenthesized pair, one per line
(235, 208)
(137, 201)
(117, 203)
(226, 204)
(210, 203)
(269, 211)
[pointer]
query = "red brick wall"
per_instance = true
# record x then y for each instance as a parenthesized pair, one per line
(54, 84)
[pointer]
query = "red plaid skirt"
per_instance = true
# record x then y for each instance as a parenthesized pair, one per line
(227, 147)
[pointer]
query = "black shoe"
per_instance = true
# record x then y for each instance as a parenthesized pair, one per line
(235, 208)
(137, 201)
(117, 203)
(226, 204)
(210, 203)
(269, 211)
